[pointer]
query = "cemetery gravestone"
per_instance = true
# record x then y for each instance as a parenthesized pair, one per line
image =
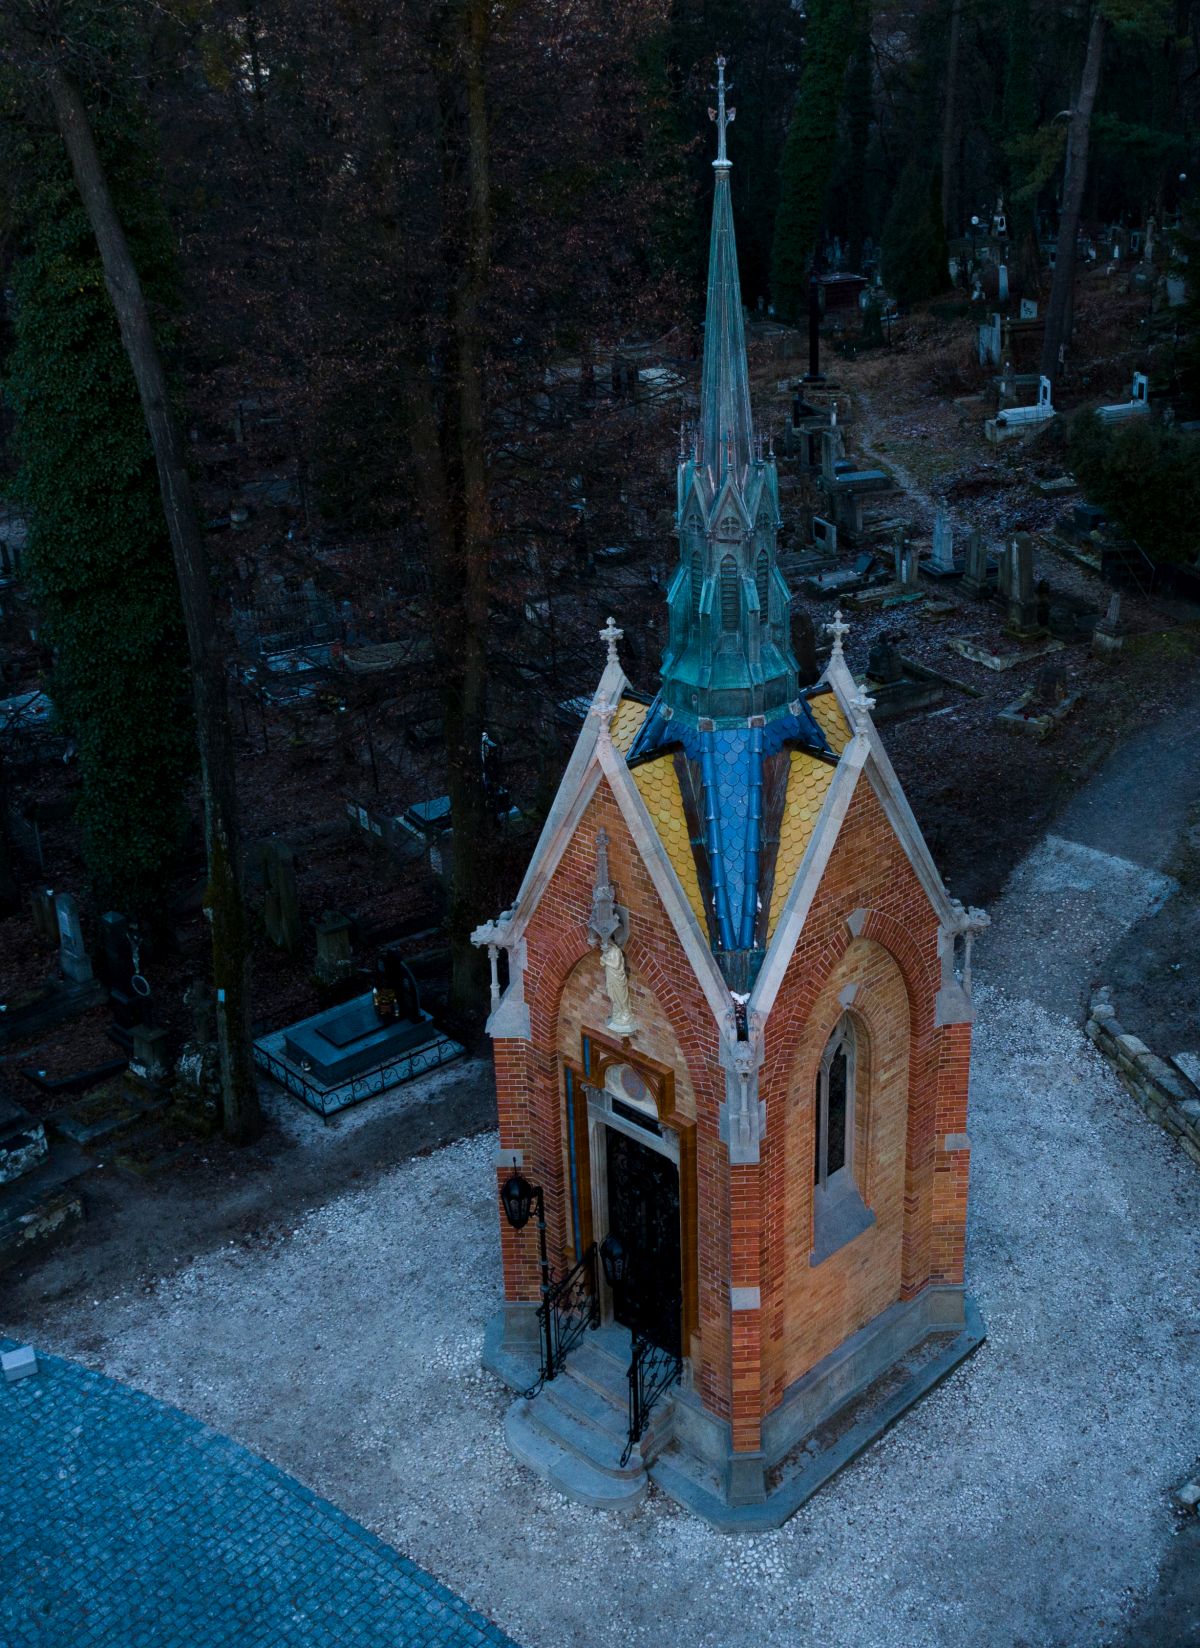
(804, 646)
(45, 917)
(832, 454)
(943, 544)
(334, 958)
(149, 1063)
(282, 909)
(72, 955)
(119, 970)
(1022, 599)
(1004, 573)
(884, 662)
(1050, 685)
(824, 535)
(898, 546)
(975, 578)
(1109, 634)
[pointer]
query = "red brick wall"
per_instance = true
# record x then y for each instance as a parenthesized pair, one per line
(917, 1086)
(755, 1220)
(675, 1024)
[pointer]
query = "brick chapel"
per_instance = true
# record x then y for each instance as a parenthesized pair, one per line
(732, 1041)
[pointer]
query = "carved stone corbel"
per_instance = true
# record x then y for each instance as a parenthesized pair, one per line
(743, 1115)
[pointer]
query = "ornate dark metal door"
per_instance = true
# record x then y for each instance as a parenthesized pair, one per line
(643, 1214)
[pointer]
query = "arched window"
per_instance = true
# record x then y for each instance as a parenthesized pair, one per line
(762, 582)
(835, 1107)
(697, 581)
(839, 1212)
(729, 593)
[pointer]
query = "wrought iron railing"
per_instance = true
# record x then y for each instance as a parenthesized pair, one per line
(568, 1308)
(652, 1371)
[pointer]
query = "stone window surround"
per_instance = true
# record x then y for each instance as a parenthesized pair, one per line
(839, 1212)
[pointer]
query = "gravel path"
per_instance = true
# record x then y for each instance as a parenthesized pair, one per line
(1023, 1502)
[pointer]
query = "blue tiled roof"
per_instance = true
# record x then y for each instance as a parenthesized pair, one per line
(731, 761)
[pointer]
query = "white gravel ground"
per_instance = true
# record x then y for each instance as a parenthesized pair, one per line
(1023, 1504)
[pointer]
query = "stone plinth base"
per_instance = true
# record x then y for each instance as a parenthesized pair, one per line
(825, 1420)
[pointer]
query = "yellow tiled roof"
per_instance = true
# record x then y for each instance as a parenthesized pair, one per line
(828, 716)
(625, 723)
(808, 784)
(659, 789)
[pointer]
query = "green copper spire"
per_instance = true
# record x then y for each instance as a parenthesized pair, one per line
(725, 434)
(729, 655)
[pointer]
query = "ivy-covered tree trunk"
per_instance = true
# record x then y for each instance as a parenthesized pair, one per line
(224, 901)
(1078, 138)
(98, 559)
(445, 414)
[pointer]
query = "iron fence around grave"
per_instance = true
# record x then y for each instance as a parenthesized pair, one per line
(327, 1102)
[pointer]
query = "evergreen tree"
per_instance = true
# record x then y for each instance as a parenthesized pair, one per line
(98, 554)
(913, 247)
(809, 151)
(1020, 119)
(859, 86)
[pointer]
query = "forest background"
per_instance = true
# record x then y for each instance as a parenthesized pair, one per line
(387, 250)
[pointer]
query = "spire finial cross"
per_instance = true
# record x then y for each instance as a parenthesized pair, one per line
(611, 634)
(839, 631)
(721, 114)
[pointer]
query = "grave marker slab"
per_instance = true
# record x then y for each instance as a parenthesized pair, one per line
(72, 953)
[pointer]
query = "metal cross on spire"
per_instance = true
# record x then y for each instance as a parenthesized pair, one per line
(721, 114)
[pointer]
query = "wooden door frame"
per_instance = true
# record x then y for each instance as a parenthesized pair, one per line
(597, 1053)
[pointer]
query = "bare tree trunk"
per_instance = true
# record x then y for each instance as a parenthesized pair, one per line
(1079, 133)
(950, 132)
(462, 572)
(224, 902)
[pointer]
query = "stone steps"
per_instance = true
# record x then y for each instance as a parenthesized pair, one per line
(572, 1434)
(566, 1471)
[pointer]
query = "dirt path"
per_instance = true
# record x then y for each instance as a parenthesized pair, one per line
(886, 459)
(140, 1231)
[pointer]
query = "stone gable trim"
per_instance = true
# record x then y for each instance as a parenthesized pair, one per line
(576, 789)
(667, 885)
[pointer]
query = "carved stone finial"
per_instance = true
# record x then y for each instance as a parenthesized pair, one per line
(861, 705)
(609, 921)
(604, 712)
(611, 634)
(839, 631)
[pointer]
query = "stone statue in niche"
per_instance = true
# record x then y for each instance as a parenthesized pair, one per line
(608, 928)
(616, 982)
